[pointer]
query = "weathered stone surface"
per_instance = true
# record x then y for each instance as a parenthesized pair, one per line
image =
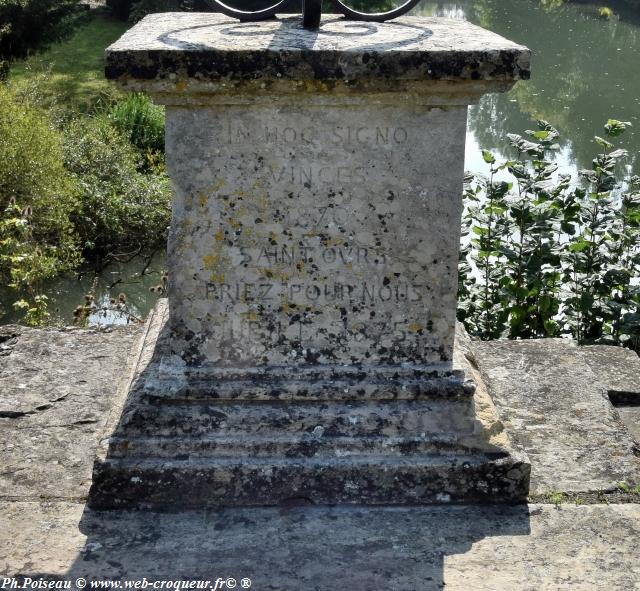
(488, 548)
(630, 416)
(557, 408)
(424, 446)
(322, 236)
(34, 382)
(541, 420)
(312, 263)
(57, 387)
(617, 369)
(187, 51)
(535, 548)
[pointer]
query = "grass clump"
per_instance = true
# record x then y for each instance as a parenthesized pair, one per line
(72, 72)
(140, 121)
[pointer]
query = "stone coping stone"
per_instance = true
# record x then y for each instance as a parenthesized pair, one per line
(210, 46)
(57, 387)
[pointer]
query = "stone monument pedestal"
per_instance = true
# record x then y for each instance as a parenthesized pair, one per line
(307, 349)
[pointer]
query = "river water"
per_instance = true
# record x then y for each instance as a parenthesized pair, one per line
(585, 69)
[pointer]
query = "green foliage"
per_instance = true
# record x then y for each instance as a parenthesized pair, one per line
(121, 208)
(605, 12)
(120, 9)
(624, 487)
(26, 25)
(37, 196)
(548, 256)
(134, 11)
(84, 189)
(140, 121)
(556, 497)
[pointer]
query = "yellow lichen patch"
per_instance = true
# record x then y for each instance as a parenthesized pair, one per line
(315, 86)
(212, 263)
(217, 185)
(203, 199)
(415, 327)
(286, 308)
(219, 235)
(252, 316)
(181, 84)
(274, 274)
(216, 277)
(234, 223)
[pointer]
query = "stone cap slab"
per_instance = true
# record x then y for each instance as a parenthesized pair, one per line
(182, 48)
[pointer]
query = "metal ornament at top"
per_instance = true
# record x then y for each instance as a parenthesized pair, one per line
(312, 11)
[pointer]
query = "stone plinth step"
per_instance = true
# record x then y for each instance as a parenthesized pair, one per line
(164, 452)
(334, 419)
(397, 479)
(309, 445)
(171, 381)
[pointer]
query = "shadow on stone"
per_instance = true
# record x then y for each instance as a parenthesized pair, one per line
(311, 548)
(175, 441)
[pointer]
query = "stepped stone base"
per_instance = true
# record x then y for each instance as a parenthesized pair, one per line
(179, 440)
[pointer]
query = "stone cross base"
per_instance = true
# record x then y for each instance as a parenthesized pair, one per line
(192, 446)
(308, 347)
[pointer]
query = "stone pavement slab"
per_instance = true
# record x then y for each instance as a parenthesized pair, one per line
(56, 389)
(555, 405)
(46, 529)
(617, 369)
(531, 548)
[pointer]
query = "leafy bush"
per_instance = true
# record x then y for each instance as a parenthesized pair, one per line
(37, 197)
(26, 25)
(548, 256)
(72, 191)
(121, 208)
(140, 121)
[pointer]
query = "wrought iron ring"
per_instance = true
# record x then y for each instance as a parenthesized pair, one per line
(311, 12)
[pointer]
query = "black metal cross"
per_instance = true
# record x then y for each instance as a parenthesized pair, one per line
(312, 12)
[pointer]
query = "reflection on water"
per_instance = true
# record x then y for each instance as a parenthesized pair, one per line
(135, 279)
(584, 70)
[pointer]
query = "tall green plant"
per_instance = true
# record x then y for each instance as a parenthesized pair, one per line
(121, 209)
(549, 256)
(486, 206)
